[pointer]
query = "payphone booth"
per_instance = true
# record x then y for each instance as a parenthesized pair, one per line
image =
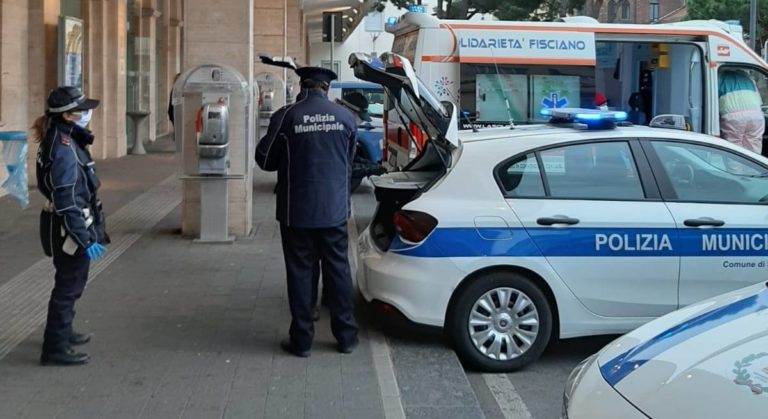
(272, 94)
(212, 108)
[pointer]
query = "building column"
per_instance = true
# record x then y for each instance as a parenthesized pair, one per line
(43, 61)
(171, 54)
(14, 56)
(105, 74)
(147, 58)
(220, 33)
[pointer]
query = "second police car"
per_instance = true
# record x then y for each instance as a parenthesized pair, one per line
(510, 237)
(707, 360)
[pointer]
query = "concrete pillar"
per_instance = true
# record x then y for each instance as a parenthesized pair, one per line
(147, 57)
(171, 57)
(105, 74)
(278, 31)
(221, 33)
(43, 62)
(14, 56)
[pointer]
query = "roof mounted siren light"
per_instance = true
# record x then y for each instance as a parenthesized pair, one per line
(585, 118)
(671, 121)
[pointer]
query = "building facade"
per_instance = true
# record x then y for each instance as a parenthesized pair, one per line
(642, 11)
(126, 53)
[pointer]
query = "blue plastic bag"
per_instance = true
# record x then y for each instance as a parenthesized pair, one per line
(14, 151)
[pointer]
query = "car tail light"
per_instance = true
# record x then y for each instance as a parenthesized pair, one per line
(414, 226)
(418, 135)
(385, 122)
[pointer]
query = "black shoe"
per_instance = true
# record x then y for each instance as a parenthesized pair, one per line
(66, 357)
(287, 346)
(79, 338)
(348, 349)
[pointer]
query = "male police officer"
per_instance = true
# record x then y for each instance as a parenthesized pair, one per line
(311, 144)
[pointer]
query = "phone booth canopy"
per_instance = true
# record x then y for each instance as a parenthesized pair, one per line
(211, 109)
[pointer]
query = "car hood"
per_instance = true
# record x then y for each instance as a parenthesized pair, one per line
(709, 359)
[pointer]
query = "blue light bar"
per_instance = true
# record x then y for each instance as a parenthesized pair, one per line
(590, 117)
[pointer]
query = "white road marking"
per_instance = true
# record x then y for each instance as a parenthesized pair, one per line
(509, 401)
(382, 358)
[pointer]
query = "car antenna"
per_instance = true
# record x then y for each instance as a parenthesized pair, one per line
(503, 92)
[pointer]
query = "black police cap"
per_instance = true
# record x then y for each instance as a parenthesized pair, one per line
(358, 103)
(69, 99)
(317, 74)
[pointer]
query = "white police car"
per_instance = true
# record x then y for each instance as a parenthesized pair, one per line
(708, 360)
(508, 238)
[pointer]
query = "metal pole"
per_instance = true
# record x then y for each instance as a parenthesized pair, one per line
(752, 23)
(333, 37)
(285, 48)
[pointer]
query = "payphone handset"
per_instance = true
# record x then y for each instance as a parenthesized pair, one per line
(213, 138)
(214, 127)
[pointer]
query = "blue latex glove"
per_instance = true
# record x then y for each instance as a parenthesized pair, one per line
(96, 251)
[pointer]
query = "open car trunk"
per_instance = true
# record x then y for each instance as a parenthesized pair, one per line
(414, 102)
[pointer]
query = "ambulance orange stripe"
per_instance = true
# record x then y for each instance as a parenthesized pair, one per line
(630, 31)
(507, 60)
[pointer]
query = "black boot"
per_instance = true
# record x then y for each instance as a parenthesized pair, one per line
(348, 349)
(79, 338)
(287, 346)
(65, 357)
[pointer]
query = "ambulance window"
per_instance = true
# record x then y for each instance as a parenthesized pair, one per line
(604, 170)
(493, 94)
(700, 173)
(405, 45)
(521, 178)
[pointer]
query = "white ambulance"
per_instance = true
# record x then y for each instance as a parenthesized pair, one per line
(501, 72)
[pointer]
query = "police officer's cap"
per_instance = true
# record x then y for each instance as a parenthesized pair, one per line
(320, 74)
(69, 99)
(358, 103)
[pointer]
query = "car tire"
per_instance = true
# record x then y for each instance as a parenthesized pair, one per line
(525, 325)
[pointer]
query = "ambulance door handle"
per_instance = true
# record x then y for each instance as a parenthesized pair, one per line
(558, 219)
(704, 222)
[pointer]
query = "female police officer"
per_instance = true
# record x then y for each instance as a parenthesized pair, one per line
(72, 222)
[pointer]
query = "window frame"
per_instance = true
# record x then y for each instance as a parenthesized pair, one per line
(668, 193)
(645, 174)
(624, 6)
(654, 14)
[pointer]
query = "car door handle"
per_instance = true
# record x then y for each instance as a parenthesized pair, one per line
(704, 222)
(558, 219)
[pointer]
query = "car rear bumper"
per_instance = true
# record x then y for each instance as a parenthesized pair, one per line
(420, 288)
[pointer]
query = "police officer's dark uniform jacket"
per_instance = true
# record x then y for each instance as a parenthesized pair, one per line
(67, 179)
(311, 144)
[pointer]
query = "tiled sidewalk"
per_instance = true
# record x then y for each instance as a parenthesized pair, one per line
(191, 330)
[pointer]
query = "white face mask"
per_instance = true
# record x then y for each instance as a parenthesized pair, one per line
(85, 118)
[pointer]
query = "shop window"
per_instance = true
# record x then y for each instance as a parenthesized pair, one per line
(327, 64)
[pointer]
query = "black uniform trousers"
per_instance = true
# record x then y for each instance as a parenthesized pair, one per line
(302, 249)
(70, 279)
